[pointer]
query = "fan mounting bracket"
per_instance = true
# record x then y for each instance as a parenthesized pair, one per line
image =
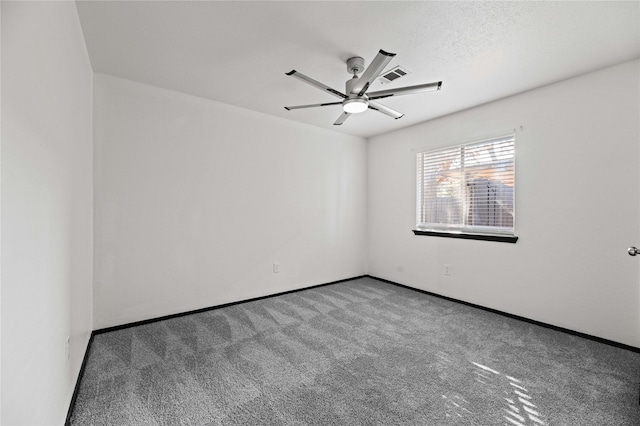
(355, 65)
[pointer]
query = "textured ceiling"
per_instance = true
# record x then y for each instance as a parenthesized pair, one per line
(238, 52)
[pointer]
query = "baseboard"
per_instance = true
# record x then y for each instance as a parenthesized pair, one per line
(210, 308)
(529, 320)
(78, 380)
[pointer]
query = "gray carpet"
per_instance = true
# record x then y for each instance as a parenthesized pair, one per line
(361, 352)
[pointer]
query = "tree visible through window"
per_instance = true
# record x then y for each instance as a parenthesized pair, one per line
(468, 188)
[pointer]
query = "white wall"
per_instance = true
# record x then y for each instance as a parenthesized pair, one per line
(577, 207)
(46, 209)
(195, 200)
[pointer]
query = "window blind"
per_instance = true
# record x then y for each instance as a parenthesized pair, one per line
(468, 188)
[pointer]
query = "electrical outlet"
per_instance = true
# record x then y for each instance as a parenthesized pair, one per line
(67, 350)
(276, 268)
(447, 269)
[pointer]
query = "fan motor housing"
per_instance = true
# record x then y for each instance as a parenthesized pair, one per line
(349, 88)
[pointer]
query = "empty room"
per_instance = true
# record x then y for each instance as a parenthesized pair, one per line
(320, 213)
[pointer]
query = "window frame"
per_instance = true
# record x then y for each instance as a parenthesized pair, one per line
(462, 229)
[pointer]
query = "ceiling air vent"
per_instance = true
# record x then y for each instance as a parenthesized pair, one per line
(392, 75)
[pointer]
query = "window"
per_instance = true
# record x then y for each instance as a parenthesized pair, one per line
(468, 190)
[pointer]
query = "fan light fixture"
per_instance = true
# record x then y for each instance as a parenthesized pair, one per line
(354, 106)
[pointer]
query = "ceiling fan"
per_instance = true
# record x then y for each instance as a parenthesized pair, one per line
(356, 99)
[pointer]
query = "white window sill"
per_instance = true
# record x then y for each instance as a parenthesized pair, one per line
(484, 237)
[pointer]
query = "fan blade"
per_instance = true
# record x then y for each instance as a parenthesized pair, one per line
(289, 108)
(342, 118)
(409, 90)
(309, 80)
(372, 72)
(385, 110)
